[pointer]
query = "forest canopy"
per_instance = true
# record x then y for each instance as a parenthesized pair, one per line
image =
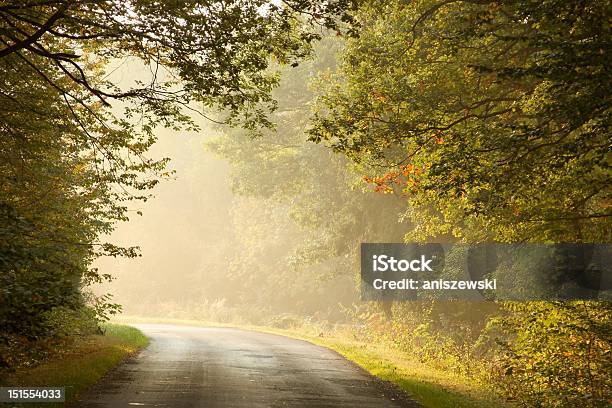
(341, 122)
(486, 115)
(71, 165)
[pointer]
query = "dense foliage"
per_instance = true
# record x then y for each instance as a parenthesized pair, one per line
(329, 213)
(492, 119)
(212, 52)
(477, 120)
(69, 165)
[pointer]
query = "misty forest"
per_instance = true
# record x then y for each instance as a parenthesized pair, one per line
(221, 161)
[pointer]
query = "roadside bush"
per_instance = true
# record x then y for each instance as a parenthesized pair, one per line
(538, 354)
(556, 354)
(62, 322)
(62, 326)
(286, 321)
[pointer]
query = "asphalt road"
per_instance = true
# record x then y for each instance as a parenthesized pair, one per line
(220, 367)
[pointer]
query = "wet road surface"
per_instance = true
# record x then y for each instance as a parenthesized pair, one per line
(211, 367)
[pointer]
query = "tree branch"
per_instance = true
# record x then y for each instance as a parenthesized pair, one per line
(39, 33)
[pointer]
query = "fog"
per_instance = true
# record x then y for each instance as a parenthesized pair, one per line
(198, 239)
(250, 229)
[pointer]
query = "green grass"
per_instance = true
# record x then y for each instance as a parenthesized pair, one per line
(130, 336)
(431, 387)
(83, 364)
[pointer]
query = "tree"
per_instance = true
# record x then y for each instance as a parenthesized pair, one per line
(497, 110)
(61, 187)
(493, 120)
(214, 53)
(70, 165)
(329, 211)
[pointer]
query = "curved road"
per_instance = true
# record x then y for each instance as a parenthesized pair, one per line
(220, 367)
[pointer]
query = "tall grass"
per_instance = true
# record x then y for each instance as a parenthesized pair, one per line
(82, 363)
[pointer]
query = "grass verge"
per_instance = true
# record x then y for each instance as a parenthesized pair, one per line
(430, 387)
(83, 364)
(433, 388)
